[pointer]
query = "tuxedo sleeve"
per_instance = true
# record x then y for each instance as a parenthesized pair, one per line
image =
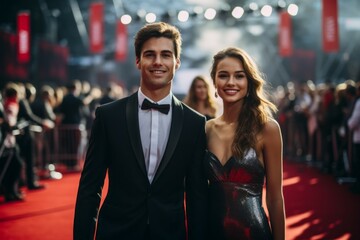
(91, 182)
(197, 190)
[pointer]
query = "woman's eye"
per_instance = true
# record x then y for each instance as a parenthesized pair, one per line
(240, 76)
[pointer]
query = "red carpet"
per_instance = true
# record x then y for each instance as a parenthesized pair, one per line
(316, 207)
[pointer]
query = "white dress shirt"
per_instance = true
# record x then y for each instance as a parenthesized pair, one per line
(154, 132)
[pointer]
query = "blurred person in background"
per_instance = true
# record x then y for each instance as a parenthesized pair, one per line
(312, 122)
(26, 140)
(326, 125)
(43, 107)
(73, 112)
(108, 95)
(200, 99)
(301, 108)
(72, 105)
(11, 164)
(354, 126)
(339, 124)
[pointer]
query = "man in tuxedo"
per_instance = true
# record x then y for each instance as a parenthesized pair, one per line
(152, 148)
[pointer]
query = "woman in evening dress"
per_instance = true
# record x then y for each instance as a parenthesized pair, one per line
(244, 154)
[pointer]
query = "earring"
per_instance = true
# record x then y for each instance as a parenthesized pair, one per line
(216, 95)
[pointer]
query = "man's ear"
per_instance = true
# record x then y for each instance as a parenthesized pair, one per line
(178, 63)
(137, 62)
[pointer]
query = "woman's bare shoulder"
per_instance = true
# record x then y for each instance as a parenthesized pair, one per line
(210, 124)
(271, 128)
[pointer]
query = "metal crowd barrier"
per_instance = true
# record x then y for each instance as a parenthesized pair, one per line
(345, 155)
(63, 147)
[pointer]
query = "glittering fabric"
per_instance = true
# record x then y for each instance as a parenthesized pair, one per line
(236, 211)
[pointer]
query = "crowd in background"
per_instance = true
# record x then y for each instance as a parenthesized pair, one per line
(320, 124)
(43, 128)
(314, 120)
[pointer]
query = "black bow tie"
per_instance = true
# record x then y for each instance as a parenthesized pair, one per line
(163, 108)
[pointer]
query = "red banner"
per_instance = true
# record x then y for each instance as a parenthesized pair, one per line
(96, 27)
(52, 62)
(285, 36)
(330, 33)
(121, 42)
(10, 67)
(23, 34)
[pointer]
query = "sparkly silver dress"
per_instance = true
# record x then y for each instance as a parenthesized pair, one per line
(235, 190)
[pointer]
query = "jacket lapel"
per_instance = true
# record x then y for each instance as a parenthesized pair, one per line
(175, 131)
(132, 118)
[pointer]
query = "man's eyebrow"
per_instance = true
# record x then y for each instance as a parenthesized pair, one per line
(162, 51)
(167, 51)
(148, 51)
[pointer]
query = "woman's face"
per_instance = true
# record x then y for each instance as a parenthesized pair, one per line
(230, 80)
(200, 90)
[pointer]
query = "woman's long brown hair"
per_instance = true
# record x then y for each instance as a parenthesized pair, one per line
(257, 109)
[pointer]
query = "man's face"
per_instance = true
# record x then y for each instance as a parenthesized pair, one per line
(157, 64)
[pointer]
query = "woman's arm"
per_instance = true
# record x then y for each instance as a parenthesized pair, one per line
(273, 160)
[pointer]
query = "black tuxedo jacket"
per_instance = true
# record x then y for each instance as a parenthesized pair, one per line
(133, 207)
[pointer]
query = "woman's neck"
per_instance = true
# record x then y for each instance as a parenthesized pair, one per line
(200, 105)
(231, 112)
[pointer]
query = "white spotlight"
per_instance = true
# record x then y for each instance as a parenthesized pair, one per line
(183, 16)
(210, 14)
(293, 9)
(253, 6)
(266, 10)
(237, 12)
(126, 19)
(150, 17)
(281, 3)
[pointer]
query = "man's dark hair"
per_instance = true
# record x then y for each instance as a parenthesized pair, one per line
(157, 30)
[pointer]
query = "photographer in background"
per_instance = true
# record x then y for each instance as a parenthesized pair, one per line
(10, 161)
